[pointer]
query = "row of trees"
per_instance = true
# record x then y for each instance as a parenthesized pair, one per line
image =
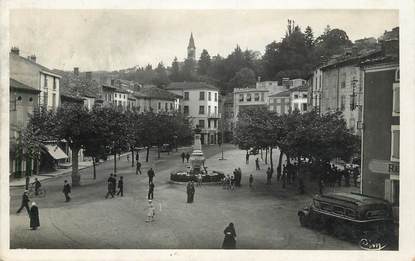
(103, 131)
(319, 138)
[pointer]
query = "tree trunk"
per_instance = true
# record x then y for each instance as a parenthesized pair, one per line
(76, 178)
(93, 165)
(148, 152)
(270, 159)
(115, 161)
(132, 157)
(266, 155)
(279, 162)
(261, 155)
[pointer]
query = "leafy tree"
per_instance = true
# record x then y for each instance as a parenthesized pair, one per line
(72, 121)
(243, 78)
(188, 71)
(161, 79)
(309, 37)
(204, 62)
(175, 71)
(332, 41)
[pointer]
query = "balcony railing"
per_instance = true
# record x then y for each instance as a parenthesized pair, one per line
(213, 115)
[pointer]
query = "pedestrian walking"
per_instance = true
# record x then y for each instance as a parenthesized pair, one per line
(66, 190)
(150, 174)
(247, 157)
(37, 186)
(138, 168)
(34, 217)
(239, 177)
(183, 155)
(251, 180)
(25, 203)
(257, 164)
(187, 157)
(110, 185)
(269, 173)
(151, 211)
(229, 242)
(120, 187)
(192, 191)
(114, 184)
(150, 190)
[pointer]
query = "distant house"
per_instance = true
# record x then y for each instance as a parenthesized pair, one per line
(280, 102)
(200, 103)
(299, 98)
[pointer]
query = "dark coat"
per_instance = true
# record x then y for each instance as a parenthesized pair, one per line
(120, 183)
(34, 217)
(151, 187)
(67, 188)
(150, 173)
(229, 241)
(25, 199)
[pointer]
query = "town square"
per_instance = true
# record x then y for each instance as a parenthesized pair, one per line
(172, 135)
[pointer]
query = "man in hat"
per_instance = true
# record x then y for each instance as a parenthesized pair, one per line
(25, 202)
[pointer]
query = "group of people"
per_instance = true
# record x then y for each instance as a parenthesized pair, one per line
(112, 186)
(230, 182)
(185, 156)
(33, 211)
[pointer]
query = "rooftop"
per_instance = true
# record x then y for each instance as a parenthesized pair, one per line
(281, 94)
(299, 88)
(21, 86)
(28, 61)
(151, 91)
(191, 86)
(74, 85)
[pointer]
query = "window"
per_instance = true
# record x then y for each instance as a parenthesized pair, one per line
(30, 99)
(256, 97)
(54, 83)
(215, 124)
(395, 143)
(124, 96)
(295, 106)
(396, 101)
(248, 97)
(216, 110)
(208, 123)
(159, 106)
(241, 97)
(19, 98)
(186, 110)
(271, 108)
(278, 109)
(186, 96)
(115, 95)
(262, 96)
(209, 109)
(201, 123)
(201, 109)
(209, 96)
(343, 80)
(295, 96)
(304, 107)
(305, 96)
(342, 103)
(165, 106)
(171, 106)
(45, 98)
(45, 83)
(201, 96)
(216, 96)
(54, 100)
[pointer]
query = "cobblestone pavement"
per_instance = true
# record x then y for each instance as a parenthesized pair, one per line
(265, 216)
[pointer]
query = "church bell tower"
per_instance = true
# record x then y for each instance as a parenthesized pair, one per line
(191, 49)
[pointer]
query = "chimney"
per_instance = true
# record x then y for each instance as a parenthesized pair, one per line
(15, 50)
(76, 71)
(88, 76)
(391, 47)
(32, 58)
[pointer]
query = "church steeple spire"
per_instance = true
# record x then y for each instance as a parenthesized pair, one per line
(191, 48)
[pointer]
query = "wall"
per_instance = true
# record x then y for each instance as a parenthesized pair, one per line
(378, 88)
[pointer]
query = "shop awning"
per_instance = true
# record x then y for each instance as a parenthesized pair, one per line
(56, 152)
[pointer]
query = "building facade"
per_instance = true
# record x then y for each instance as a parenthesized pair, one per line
(299, 98)
(381, 127)
(200, 103)
(280, 102)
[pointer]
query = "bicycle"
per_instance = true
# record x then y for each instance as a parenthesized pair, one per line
(40, 193)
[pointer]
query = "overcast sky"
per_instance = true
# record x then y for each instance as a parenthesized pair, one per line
(119, 39)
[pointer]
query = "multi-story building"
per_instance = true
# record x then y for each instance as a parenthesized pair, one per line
(30, 73)
(280, 102)
(381, 125)
(243, 97)
(298, 98)
(314, 95)
(227, 110)
(152, 98)
(200, 104)
(23, 99)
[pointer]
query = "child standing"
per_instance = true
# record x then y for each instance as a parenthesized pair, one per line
(151, 211)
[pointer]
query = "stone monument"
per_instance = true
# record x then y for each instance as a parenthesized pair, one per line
(197, 159)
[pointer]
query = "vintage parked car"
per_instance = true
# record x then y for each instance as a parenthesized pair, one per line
(350, 216)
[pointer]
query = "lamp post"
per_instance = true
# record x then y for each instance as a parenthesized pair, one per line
(221, 125)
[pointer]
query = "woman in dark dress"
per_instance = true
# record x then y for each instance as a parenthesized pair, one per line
(34, 217)
(230, 237)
